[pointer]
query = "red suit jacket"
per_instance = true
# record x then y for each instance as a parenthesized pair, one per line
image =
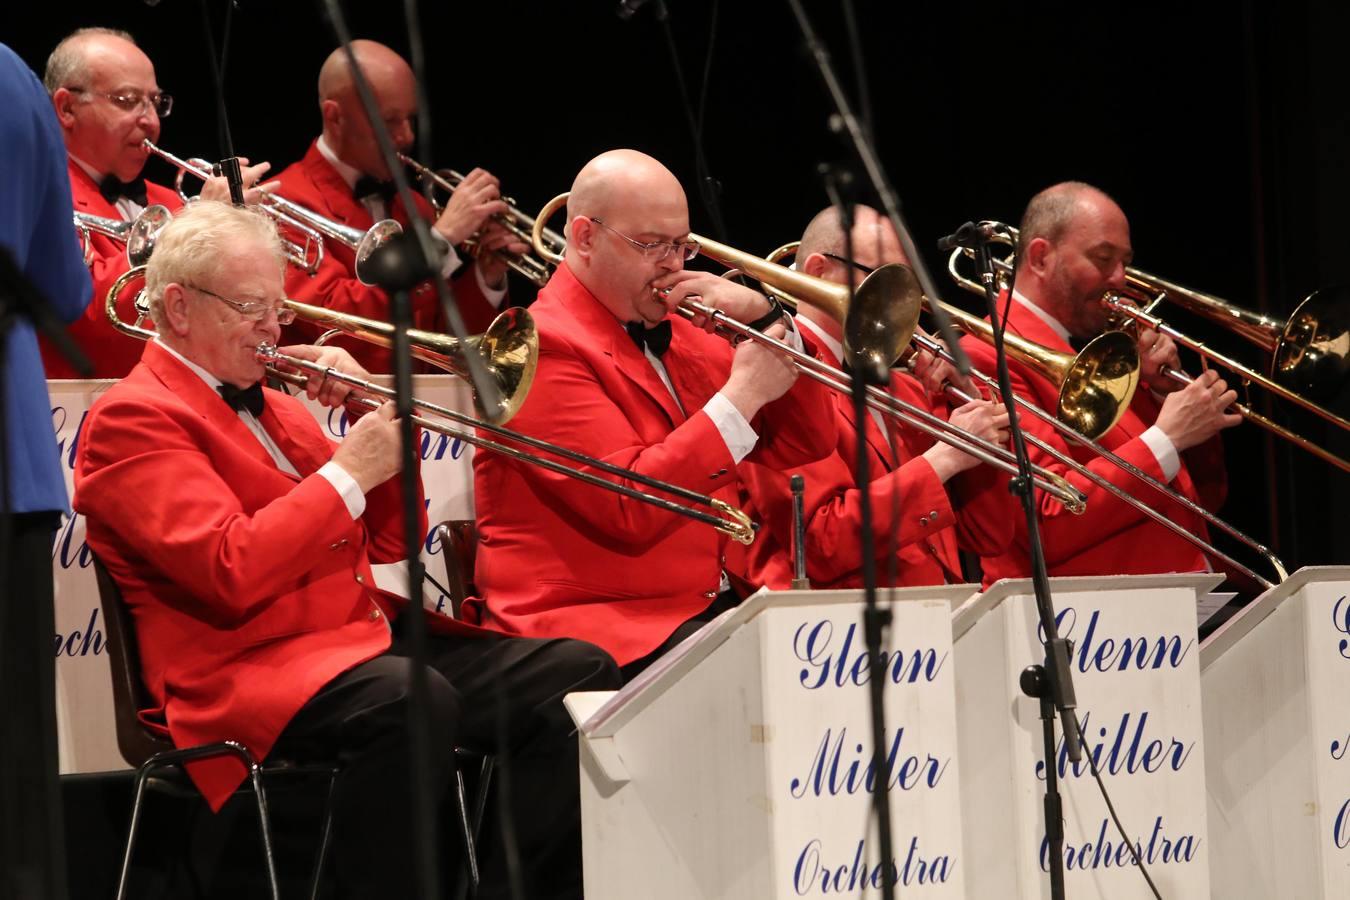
(1110, 537)
(561, 558)
(249, 588)
(908, 502)
(112, 353)
(316, 185)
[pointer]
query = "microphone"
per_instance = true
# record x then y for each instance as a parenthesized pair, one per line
(629, 8)
(970, 235)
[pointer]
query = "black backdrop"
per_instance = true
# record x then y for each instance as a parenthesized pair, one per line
(1218, 127)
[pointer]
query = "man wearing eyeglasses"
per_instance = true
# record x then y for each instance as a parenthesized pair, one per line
(343, 177)
(242, 540)
(622, 378)
(108, 103)
(928, 499)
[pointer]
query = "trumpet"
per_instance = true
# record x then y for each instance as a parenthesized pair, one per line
(924, 342)
(891, 295)
(723, 516)
(515, 221)
(1314, 341)
(312, 226)
(139, 234)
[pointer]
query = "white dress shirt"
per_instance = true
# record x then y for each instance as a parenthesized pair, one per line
(333, 473)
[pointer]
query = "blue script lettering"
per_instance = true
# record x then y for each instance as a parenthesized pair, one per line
(67, 449)
(823, 775)
(811, 644)
(1340, 829)
(1104, 852)
(1338, 748)
(1103, 654)
(1130, 752)
(811, 875)
(64, 550)
(1340, 620)
(88, 642)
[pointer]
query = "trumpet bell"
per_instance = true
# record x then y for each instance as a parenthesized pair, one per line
(1312, 355)
(144, 232)
(1099, 384)
(881, 319)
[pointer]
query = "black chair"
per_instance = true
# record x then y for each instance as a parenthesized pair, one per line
(459, 545)
(159, 764)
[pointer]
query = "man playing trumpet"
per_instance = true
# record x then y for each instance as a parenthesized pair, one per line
(1074, 245)
(343, 177)
(109, 103)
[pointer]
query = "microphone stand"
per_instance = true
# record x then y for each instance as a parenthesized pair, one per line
(400, 265)
(1052, 682)
(838, 184)
(229, 166)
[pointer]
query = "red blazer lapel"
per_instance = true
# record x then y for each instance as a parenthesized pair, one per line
(185, 383)
(305, 447)
(84, 192)
(334, 194)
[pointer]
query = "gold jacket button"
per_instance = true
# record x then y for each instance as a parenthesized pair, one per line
(374, 615)
(711, 595)
(923, 520)
(933, 515)
(360, 579)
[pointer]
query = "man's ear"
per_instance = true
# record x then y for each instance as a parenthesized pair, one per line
(63, 101)
(581, 235)
(174, 305)
(817, 264)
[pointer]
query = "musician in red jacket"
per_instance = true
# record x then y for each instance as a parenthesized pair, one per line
(1074, 245)
(927, 499)
(108, 102)
(243, 539)
(343, 177)
(623, 379)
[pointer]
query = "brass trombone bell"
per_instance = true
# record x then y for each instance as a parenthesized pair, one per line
(510, 348)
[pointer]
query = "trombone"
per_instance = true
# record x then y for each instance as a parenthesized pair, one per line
(312, 226)
(726, 518)
(1314, 341)
(1071, 431)
(892, 294)
(515, 221)
(139, 234)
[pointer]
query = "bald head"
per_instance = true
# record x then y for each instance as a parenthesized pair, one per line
(71, 60)
(346, 128)
(874, 240)
(1072, 246)
(1051, 212)
(638, 200)
(615, 180)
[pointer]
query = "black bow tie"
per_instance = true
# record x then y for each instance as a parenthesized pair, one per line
(656, 339)
(371, 187)
(113, 189)
(249, 398)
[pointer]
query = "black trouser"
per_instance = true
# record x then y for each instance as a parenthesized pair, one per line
(724, 601)
(362, 716)
(32, 841)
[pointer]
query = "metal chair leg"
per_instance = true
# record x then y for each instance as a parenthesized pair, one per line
(142, 775)
(325, 836)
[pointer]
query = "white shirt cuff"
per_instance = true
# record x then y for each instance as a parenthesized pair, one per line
(1164, 451)
(450, 262)
(739, 436)
(495, 296)
(346, 486)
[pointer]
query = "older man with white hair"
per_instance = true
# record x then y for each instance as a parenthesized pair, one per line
(242, 539)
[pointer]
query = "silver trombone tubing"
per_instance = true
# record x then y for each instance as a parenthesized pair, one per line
(726, 518)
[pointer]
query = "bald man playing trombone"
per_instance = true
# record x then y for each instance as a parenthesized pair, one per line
(623, 378)
(242, 540)
(928, 500)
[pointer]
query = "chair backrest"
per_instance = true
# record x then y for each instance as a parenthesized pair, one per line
(134, 739)
(459, 546)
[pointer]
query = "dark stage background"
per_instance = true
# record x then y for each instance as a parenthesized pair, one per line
(1218, 127)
